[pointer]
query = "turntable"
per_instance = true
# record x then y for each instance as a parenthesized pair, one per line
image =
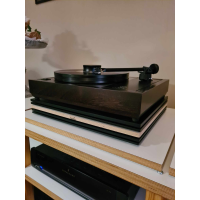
(105, 100)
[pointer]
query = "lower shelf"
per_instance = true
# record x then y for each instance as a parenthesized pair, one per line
(49, 186)
(56, 190)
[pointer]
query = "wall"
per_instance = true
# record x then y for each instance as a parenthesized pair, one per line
(113, 33)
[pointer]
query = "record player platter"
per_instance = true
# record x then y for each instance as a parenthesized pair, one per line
(82, 77)
(94, 74)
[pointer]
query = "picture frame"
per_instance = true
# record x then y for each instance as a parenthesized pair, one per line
(41, 1)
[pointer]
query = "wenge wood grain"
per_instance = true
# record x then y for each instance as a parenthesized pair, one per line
(130, 99)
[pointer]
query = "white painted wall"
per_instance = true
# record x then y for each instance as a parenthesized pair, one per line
(113, 33)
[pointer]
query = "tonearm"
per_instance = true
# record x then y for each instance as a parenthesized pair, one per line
(145, 72)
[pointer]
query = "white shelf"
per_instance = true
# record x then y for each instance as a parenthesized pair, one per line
(153, 148)
(143, 171)
(51, 185)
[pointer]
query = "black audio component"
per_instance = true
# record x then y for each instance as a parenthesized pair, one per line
(84, 179)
